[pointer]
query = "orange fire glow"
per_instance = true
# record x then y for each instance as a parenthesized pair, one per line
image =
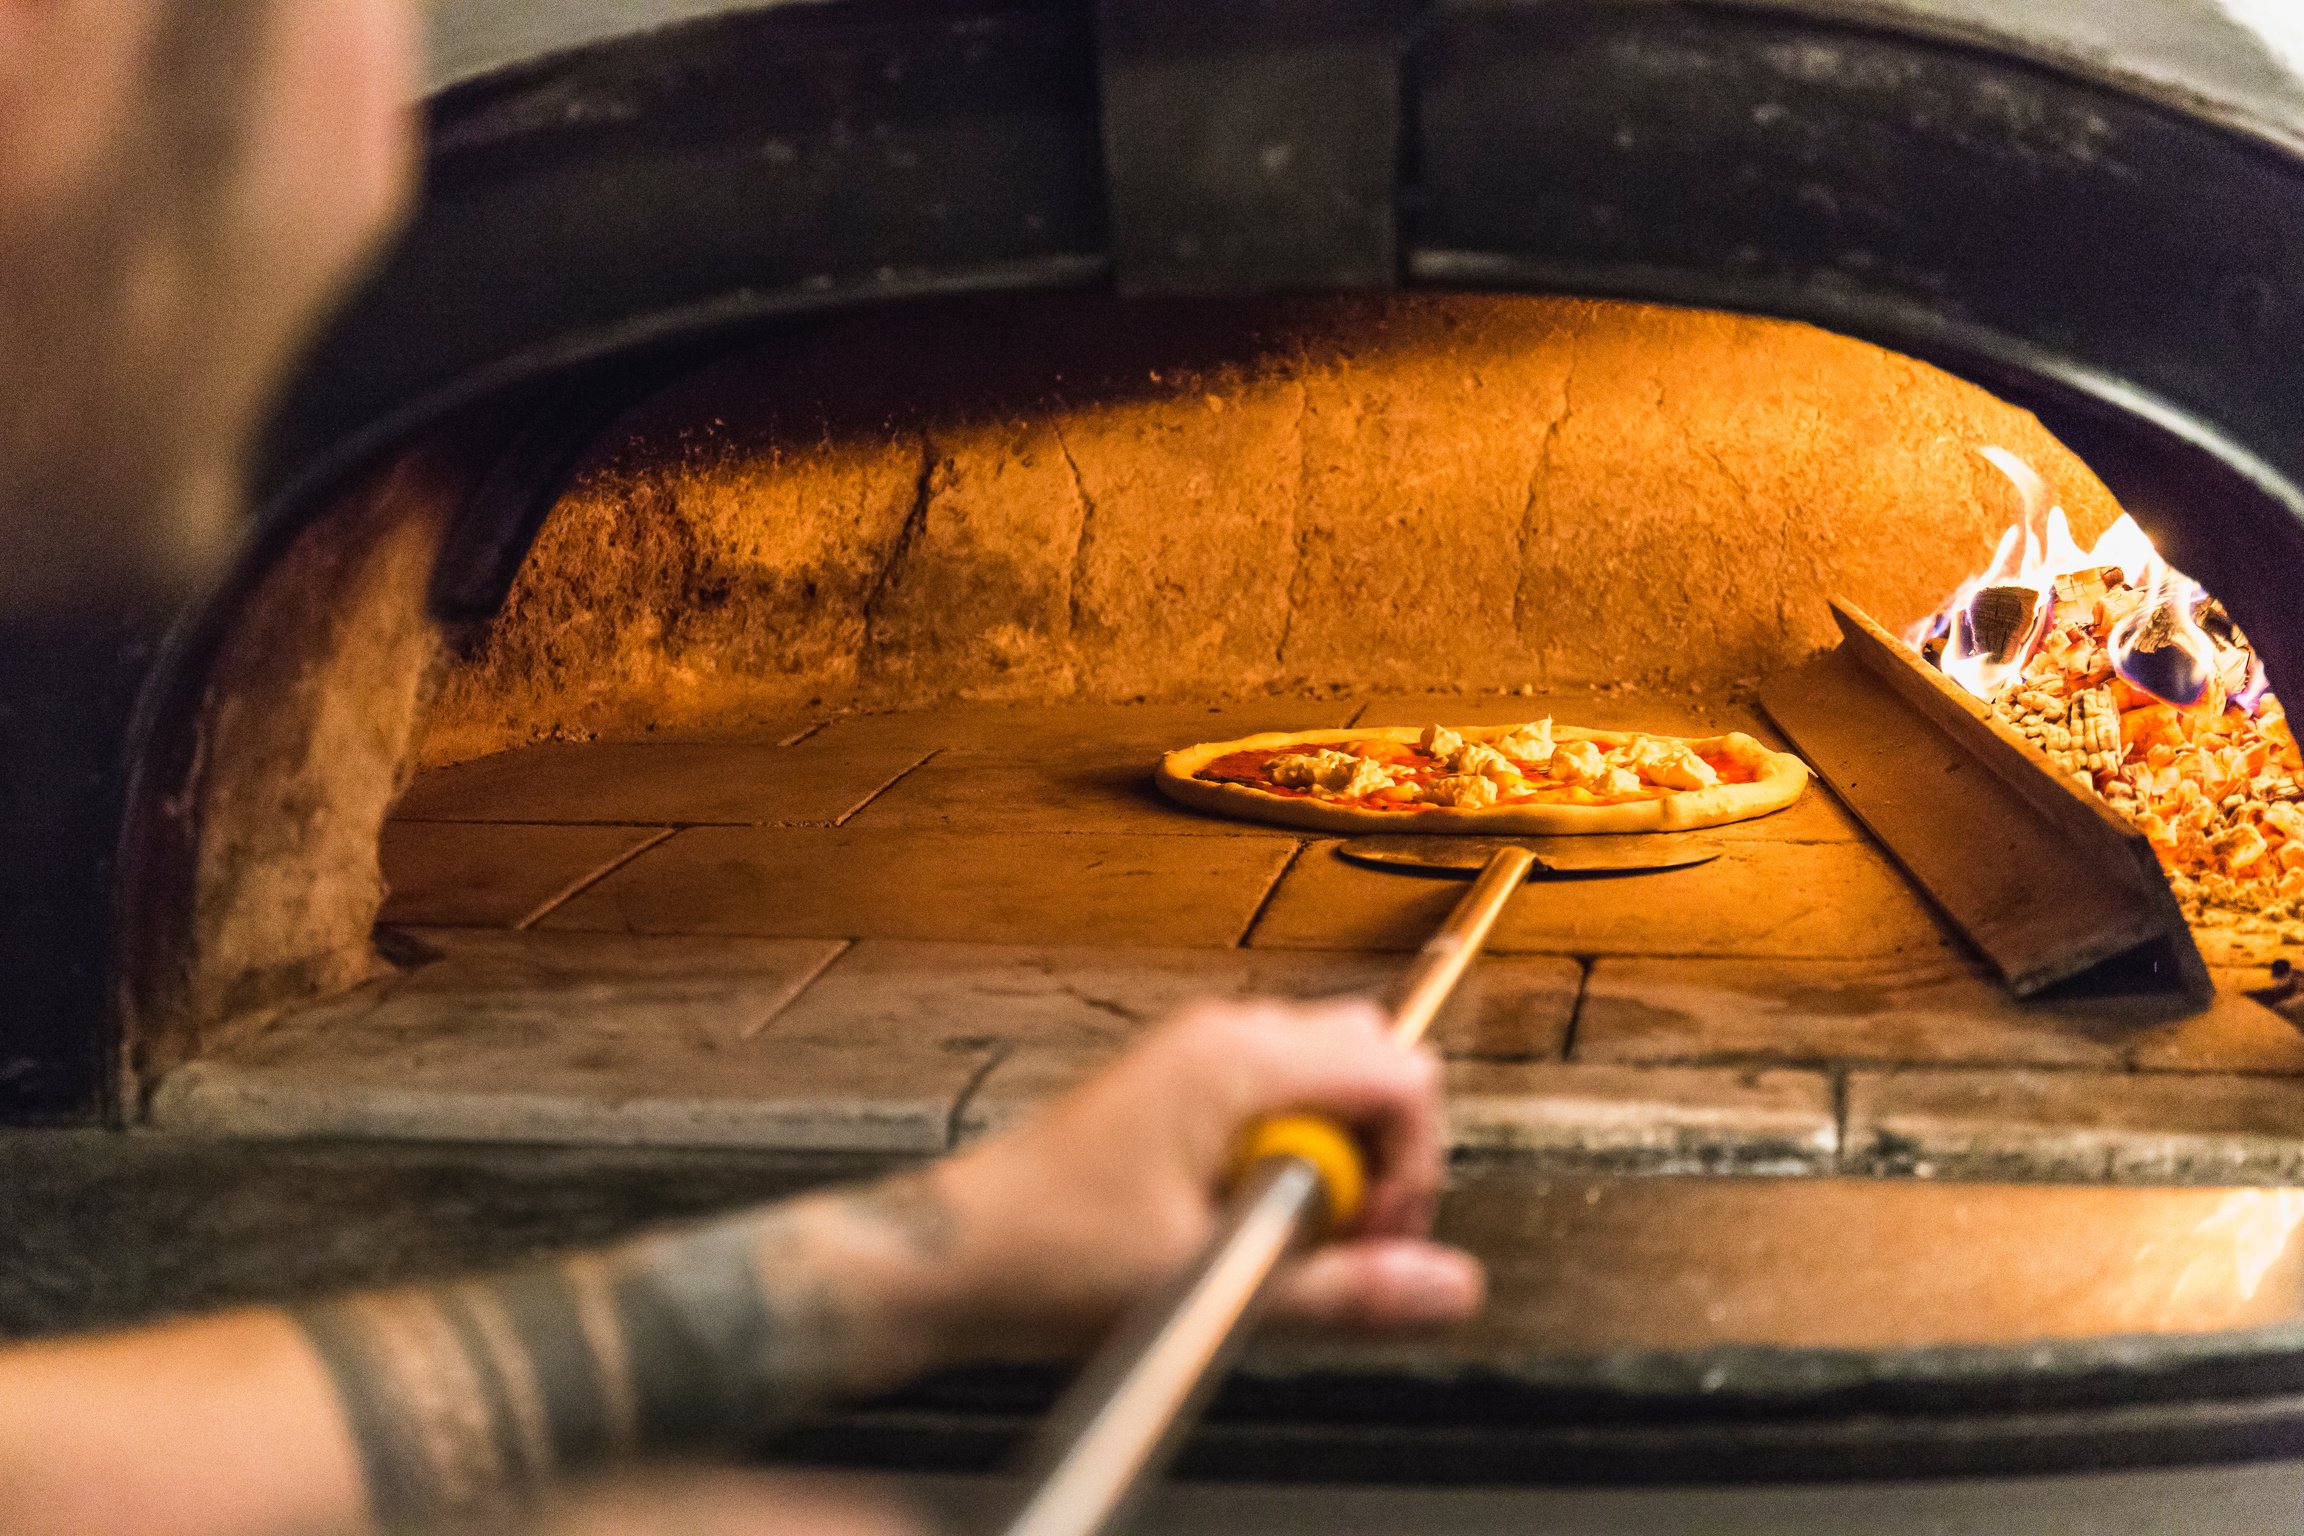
(2132, 679)
(2031, 556)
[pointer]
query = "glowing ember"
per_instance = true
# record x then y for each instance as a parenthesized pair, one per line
(2136, 682)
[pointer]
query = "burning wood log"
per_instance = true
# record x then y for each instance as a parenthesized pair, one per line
(2001, 622)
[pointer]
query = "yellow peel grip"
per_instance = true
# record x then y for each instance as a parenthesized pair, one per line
(1327, 1146)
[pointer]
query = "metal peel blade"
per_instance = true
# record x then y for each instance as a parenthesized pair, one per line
(1623, 853)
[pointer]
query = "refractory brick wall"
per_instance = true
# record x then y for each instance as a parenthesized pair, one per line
(1077, 498)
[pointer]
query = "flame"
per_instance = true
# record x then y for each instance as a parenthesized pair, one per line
(2181, 660)
(2136, 684)
(2251, 694)
(2158, 648)
(2212, 1255)
(2125, 546)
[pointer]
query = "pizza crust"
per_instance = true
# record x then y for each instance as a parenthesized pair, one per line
(1779, 779)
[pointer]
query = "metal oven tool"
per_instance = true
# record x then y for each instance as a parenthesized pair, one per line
(1301, 1176)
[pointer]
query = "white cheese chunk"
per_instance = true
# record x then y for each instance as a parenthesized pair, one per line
(1440, 741)
(1465, 791)
(1365, 778)
(1298, 770)
(1581, 763)
(1337, 773)
(1530, 743)
(1480, 758)
(1670, 764)
(1617, 781)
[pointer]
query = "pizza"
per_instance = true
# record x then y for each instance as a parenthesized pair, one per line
(1536, 778)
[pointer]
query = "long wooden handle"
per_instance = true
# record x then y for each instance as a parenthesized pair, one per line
(1122, 1419)
(1456, 943)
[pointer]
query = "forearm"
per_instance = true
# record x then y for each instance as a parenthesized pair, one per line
(465, 1396)
(455, 1401)
(223, 1426)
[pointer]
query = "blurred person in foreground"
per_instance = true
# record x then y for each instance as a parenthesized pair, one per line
(184, 187)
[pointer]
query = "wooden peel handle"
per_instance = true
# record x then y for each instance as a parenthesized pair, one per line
(1441, 963)
(1431, 980)
(1300, 1175)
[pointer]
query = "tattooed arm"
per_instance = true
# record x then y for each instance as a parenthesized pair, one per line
(461, 1398)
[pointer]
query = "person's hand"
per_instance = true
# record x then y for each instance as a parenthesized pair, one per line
(1029, 1242)
(1108, 1192)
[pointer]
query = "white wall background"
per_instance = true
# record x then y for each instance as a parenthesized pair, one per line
(2279, 22)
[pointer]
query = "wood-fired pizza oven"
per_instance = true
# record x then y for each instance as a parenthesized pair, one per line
(796, 791)
(722, 590)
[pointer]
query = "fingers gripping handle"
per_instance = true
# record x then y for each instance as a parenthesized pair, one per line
(1328, 1147)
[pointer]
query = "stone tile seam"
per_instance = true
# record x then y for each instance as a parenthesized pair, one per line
(958, 1116)
(1505, 949)
(1271, 889)
(670, 824)
(2123, 1070)
(678, 824)
(530, 821)
(583, 883)
(1839, 1159)
(894, 779)
(1881, 1066)
(948, 824)
(800, 988)
(1584, 964)
(1829, 1061)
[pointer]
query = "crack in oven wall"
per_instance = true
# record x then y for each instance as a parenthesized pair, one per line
(798, 795)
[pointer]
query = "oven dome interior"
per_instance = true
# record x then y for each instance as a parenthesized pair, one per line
(1040, 499)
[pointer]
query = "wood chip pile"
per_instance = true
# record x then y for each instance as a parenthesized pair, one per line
(2217, 785)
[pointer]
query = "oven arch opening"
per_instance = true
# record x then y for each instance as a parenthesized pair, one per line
(338, 674)
(1034, 501)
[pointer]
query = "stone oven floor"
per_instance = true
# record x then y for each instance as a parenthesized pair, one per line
(889, 933)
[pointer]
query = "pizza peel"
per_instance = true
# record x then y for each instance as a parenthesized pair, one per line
(1601, 854)
(1298, 1177)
